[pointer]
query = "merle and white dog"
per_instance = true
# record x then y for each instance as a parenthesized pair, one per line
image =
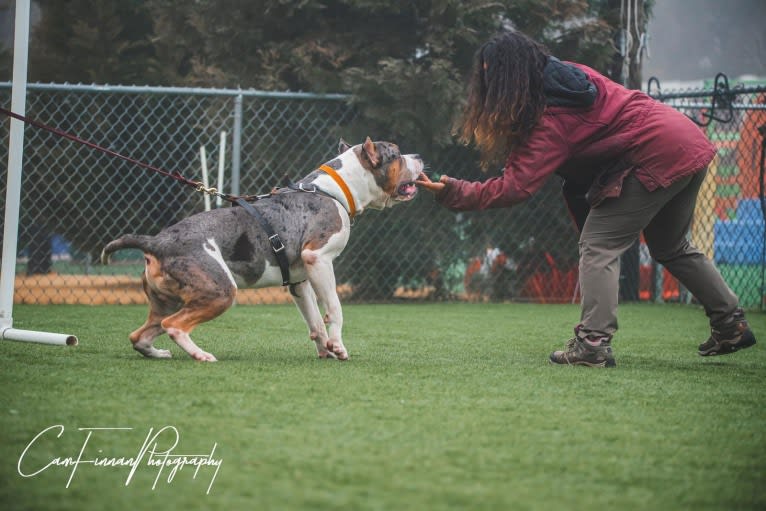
(193, 268)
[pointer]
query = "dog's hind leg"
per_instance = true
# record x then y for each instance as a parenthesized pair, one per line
(180, 325)
(143, 339)
(306, 300)
(159, 308)
(186, 291)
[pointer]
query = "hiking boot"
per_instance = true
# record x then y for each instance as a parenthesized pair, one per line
(733, 336)
(586, 351)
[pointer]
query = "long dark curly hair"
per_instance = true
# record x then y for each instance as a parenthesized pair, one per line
(505, 95)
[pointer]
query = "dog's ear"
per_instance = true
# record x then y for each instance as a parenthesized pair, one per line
(368, 149)
(343, 146)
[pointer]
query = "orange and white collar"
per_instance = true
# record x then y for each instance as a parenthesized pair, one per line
(343, 186)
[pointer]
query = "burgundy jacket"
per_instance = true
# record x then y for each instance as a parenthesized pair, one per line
(620, 126)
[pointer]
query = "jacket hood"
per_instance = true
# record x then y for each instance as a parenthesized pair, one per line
(566, 85)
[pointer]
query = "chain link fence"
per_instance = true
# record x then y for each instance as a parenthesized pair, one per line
(729, 218)
(76, 199)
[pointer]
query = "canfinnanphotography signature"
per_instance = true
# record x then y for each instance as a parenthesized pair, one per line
(158, 452)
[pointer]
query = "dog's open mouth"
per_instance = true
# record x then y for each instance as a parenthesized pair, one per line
(406, 191)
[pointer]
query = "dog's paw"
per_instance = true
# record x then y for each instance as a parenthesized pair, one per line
(204, 356)
(332, 350)
(337, 349)
(152, 352)
(161, 354)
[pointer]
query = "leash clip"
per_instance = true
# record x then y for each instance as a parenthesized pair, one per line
(201, 188)
(276, 243)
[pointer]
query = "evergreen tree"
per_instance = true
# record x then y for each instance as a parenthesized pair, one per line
(81, 41)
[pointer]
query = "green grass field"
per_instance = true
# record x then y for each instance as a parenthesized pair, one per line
(440, 407)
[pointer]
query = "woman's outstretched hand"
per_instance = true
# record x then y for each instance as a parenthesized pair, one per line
(435, 187)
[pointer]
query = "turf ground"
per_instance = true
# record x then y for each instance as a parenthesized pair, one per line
(440, 407)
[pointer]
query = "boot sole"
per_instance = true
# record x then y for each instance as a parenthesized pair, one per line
(725, 348)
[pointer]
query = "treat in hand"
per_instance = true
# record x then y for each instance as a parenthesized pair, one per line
(432, 186)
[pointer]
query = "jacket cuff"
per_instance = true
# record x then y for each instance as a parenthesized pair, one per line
(445, 192)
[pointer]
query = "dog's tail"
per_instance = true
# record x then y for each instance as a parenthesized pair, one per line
(127, 241)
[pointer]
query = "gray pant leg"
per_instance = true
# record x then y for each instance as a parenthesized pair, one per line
(611, 229)
(666, 239)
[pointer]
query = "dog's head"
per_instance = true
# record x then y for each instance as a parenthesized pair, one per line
(390, 175)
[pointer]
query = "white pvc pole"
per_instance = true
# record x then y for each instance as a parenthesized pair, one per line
(205, 183)
(221, 158)
(13, 334)
(15, 144)
(13, 192)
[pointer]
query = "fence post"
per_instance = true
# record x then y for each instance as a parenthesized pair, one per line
(236, 145)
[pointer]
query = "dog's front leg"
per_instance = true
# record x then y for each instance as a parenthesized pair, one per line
(306, 300)
(322, 278)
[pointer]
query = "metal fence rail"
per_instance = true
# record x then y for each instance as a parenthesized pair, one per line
(74, 199)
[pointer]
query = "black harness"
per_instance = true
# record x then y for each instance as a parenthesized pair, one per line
(277, 246)
(276, 242)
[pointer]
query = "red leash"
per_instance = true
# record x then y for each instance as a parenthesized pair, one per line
(174, 175)
(276, 242)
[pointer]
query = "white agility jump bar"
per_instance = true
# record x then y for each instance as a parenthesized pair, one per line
(13, 192)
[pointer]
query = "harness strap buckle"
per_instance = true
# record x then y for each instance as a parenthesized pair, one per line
(276, 243)
(302, 188)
